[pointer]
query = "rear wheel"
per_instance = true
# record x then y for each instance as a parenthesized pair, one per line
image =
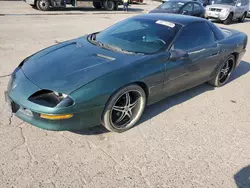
(109, 5)
(229, 19)
(124, 108)
(97, 5)
(242, 19)
(224, 72)
(43, 5)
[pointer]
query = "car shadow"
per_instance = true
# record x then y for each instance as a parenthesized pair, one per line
(174, 100)
(242, 69)
(242, 178)
(165, 104)
(232, 23)
(97, 130)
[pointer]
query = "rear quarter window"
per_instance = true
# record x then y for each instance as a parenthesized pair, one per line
(217, 31)
(194, 35)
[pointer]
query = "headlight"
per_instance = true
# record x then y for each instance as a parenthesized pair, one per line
(51, 99)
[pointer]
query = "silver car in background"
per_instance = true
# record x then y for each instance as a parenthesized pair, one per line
(227, 10)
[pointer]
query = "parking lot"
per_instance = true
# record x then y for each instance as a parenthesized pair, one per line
(198, 138)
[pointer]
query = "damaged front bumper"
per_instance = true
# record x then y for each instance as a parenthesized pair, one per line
(17, 94)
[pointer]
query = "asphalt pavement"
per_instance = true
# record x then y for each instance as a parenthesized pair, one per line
(198, 138)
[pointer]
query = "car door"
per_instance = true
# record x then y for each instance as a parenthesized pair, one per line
(198, 10)
(244, 6)
(199, 42)
(239, 8)
(187, 9)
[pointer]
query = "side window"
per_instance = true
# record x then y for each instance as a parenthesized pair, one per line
(246, 2)
(188, 7)
(194, 35)
(242, 2)
(197, 7)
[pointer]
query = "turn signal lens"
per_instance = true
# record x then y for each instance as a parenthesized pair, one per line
(56, 117)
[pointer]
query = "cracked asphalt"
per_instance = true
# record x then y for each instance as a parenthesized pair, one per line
(198, 138)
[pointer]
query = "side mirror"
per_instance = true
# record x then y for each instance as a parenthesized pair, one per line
(178, 54)
(238, 4)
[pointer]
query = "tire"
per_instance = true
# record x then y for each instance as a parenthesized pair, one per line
(223, 70)
(124, 108)
(229, 19)
(242, 19)
(109, 5)
(43, 5)
(97, 5)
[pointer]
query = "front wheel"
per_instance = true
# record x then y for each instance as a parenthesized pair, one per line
(109, 5)
(124, 108)
(43, 5)
(223, 72)
(229, 19)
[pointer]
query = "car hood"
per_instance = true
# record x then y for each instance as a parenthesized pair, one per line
(69, 65)
(220, 6)
(158, 10)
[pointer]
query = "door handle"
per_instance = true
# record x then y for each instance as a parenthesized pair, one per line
(214, 54)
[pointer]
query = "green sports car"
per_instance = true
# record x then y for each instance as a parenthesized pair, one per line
(110, 76)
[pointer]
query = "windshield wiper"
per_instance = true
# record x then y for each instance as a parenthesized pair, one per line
(116, 48)
(92, 37)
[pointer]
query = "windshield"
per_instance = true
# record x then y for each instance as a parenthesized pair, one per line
(227, 2)
(171, 5)
(137, 35)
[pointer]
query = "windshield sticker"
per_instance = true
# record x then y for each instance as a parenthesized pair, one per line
(162, 22)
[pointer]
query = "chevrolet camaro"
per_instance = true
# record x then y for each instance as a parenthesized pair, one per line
(109, 77)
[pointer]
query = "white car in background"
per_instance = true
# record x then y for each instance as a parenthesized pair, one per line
(227, 10)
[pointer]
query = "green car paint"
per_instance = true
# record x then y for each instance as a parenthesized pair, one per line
(90, 75)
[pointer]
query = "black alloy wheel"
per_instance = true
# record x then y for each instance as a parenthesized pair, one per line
(124, 108)
(223, 72)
